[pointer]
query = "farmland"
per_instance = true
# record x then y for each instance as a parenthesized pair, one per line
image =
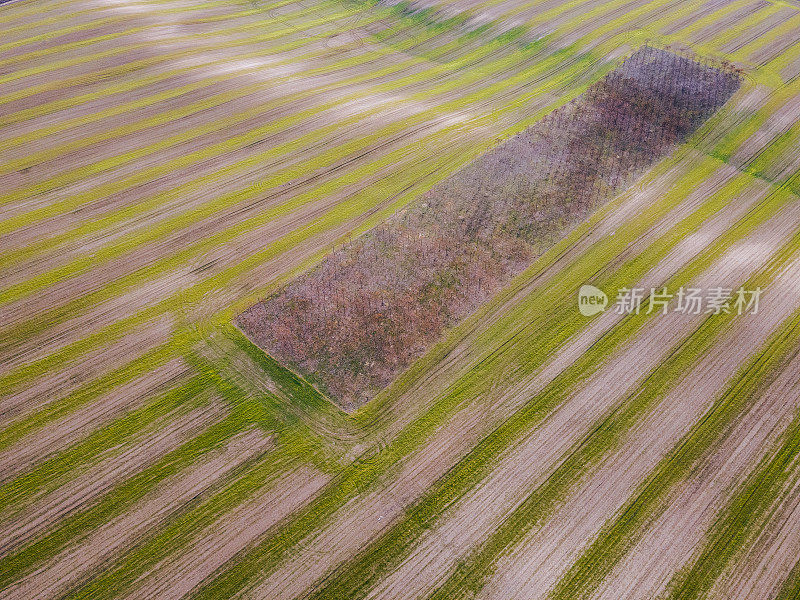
(168, 164)
(359, 319)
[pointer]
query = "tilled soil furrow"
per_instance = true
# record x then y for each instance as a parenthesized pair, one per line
(88, 487)
(674, 537)
(548, 551)
(76, 563)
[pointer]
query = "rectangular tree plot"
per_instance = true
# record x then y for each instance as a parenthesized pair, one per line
(355, 322)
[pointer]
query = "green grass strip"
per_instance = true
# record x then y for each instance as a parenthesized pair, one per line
(245, 412)
(790, 590)
(337, 214)
(179, 533)
(51, 153)
(264, 410)
(134, 67)
(230, 43)
(297, 390)
(90, 392)
(267, 410)
(284, 176)
(472, 573)
(76, 527)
